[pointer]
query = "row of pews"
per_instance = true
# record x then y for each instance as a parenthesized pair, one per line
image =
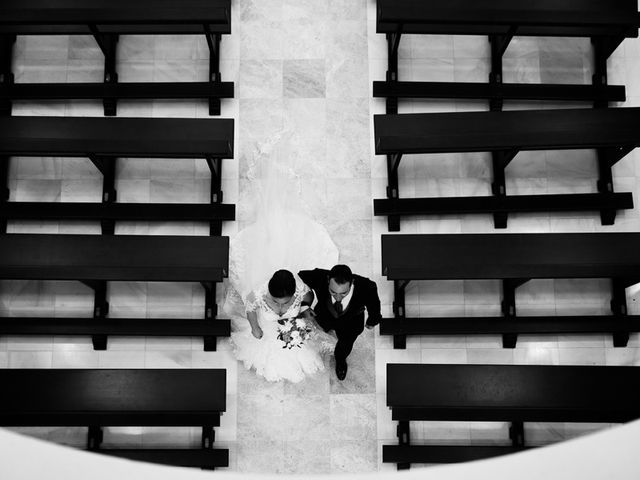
(106, 22)
(506, 393)
(513, 259)
(506, 134)
(98, 398)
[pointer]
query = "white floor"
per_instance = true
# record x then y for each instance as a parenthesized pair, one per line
(307, 67)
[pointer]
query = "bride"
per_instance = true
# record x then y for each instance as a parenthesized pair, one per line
(283, 342)
(273, 330)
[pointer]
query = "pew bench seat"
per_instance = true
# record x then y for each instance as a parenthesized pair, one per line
(499, 91)
(110, 212)
(510, 328)
(100, 328)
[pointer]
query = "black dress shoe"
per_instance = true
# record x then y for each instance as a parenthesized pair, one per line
(341, 369)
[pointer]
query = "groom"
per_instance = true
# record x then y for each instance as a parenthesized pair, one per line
(342, 299)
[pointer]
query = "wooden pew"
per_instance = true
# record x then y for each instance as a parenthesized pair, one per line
(496, 93)
(113, 137)
(102, 140)
(97, 398)
(106, 21)
(514, 259)
(607, 24)
(611, 132)
(97, 259)
(502, 393)
(205, 458)
(213, 213)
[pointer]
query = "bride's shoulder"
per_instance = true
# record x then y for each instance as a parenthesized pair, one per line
(301, 287)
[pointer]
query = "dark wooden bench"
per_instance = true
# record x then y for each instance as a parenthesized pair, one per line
(611, 132)
(97, 398)
(106, 21)
(205, 458)
(502, 393)
(606, 23)
(102, 140)
(97, 259)
(514, 259)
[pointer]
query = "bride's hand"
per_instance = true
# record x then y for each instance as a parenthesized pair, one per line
(257, 332)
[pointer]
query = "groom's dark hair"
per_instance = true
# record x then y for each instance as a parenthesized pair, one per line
(341, 274)
(282, 284)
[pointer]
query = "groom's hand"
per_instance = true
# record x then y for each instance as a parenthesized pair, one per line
(370, 324)
(307, 314)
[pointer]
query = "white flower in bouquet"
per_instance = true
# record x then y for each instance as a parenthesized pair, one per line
(293, 332)
(286, 326)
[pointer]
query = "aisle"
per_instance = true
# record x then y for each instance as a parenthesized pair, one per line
(303, 70)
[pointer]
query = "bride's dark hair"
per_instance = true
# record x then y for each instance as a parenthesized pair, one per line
(282, 284)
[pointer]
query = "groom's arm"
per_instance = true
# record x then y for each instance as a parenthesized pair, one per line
(306, 311)
(373, 306)
(307, 277)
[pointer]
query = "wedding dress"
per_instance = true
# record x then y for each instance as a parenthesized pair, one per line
(268, 355)
(283, 236)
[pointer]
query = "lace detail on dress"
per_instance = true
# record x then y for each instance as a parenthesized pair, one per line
(301, 291)
(256, 299)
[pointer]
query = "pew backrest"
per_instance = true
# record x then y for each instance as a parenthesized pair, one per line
(114, 257)
(511, 256)
(117, 137)
(506, 131)
(548, 393)
(575, 18)
(43, 17)
(142, 397)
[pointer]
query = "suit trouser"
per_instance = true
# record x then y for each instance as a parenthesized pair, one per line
(346, 339)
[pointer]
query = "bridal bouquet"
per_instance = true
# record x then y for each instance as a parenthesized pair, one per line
(293, 332)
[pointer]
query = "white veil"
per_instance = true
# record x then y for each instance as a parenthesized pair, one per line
(283, 235)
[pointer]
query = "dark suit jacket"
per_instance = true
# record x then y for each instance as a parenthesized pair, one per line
(365, 295)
